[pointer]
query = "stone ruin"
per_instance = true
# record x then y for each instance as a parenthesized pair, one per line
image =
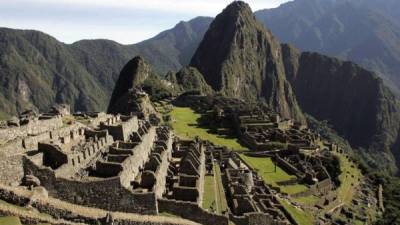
(116, 163)
(249, 199)
(130, 164)
(186, 172)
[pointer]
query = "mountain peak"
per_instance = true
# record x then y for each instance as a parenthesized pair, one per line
(238, 7)
(240, 58)
(237, 12)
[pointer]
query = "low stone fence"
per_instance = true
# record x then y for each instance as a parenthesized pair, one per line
(289, 168)
(79, 214)
(34, 127)
(107, 194)
(191, 211)
(257, 218)
(303, 193)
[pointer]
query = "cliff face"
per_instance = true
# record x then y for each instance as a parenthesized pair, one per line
(366, 32)
(240, 58)
(352, 99)
(188, 79)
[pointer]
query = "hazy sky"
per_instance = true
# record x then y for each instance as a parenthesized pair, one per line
(125, 21)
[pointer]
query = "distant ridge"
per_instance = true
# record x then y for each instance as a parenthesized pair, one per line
(37, 71)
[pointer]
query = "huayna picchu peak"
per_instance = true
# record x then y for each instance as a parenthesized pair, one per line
(213, 122)
(240, 58)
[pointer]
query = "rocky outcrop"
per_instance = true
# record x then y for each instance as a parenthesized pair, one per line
(188, 79)
(240, 58)
(127, 96)
(132, 75)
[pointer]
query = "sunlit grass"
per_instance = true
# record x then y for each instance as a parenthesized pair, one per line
(10, 220)
(349, 179)
(301, 217)
(266, 169)
(209, 199)
(185, 124)
(307, 200)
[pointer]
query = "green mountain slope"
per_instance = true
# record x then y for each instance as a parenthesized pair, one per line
(37, 71)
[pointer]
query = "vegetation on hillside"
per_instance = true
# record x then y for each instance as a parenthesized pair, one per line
(391, 196)
(37, 70)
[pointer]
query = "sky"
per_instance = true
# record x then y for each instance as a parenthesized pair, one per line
(124, 21)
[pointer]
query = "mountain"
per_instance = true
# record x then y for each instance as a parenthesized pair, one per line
(37, 71)
(240, 58)
(353, 100)
(132, 76)
(366, 32)
(127, 96)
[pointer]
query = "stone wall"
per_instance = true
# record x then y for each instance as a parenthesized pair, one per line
(31, 142)
(256, 219)
(81, 214)
(108, 194)
(34, 127)
(138, 159)
(123, 130)
(191, 211)
(289, 168)
(11, 170)
(163, 169)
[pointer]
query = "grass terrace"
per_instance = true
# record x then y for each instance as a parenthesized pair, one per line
(265, 168)
(10, 220)
(349, 179)
(300, 216)
(209, 199)
(214, 195)
(185, 124)
(308, 200)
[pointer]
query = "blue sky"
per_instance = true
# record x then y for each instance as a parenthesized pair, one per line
(124, 21)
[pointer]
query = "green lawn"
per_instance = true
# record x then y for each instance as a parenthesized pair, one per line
(214, 195)
(348, 178)
(221, 198)
(266, 169)
(301, 217)
(209, 193)
(4, 116)
(184, 123)
(10, 220)
(308, 200)
(293, 189)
